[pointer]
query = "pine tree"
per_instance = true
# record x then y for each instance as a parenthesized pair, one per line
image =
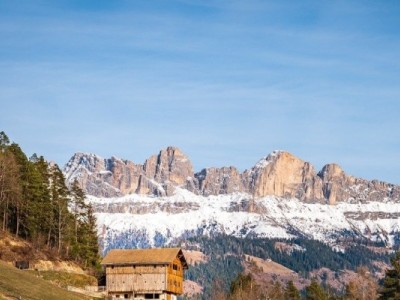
(78, 206)
(60, 200)
(315, 292)
(93, 258)
(40, 212)
(291, 292)
(391, 284)
(36, 204)
(21, 202)
(10, 186)
(4, 140)
(87, 250)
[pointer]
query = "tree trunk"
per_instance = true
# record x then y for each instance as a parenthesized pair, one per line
(59, 232)
(5, 216)
(48, 237)
(18, 222)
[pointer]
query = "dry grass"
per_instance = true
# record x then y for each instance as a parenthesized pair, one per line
(266, 271)
(193, 257)
(269, 266)
(16, 283)
(12, 249)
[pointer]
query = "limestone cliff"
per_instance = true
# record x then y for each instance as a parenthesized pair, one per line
(337, 186)
(280, 174)
(159, 175)
(215, 181)
(284, 175)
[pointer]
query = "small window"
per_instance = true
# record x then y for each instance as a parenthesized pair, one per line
(126, 296)
(112, 267)
(175, 267)
(151, 296)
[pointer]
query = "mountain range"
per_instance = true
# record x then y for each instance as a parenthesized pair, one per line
(279, 174)
(163, 200)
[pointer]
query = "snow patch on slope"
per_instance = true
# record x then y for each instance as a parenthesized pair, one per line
(160, 220)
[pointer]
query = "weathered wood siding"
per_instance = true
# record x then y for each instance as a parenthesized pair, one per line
(140, 279)
(175, 277)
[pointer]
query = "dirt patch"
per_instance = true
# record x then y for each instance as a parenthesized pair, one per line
(60, 266)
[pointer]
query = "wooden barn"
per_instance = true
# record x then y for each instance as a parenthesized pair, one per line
(145, 273)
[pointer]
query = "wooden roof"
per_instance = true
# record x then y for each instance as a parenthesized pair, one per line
(155, 256)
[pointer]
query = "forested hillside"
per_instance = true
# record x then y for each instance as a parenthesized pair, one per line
(36, 205)
(226, 256)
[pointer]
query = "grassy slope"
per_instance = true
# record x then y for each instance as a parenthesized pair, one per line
(14, 282)
(65, 279)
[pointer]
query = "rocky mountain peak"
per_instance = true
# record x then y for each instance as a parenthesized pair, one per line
(331, 171)
(278, 174)
(216, 181)
(285, 175)
(113, 177)
(270, 158)
(83, 163)
(170, 168)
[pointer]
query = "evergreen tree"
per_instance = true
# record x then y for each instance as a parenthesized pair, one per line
(40, 215)
(315, 292)
(391, 283)
(78, 206)
(4, 140)
(36, 204)
(89, 240)
(21, 204)
(58, 233)
(10, 186)
(291, 292)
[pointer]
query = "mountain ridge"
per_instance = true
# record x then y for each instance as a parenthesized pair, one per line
(278, 174)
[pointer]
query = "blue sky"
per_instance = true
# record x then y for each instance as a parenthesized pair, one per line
(225, 81)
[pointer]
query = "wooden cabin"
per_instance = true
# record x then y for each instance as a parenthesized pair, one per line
(145, 273)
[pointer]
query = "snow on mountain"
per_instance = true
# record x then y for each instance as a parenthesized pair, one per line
(162, 200)
(142, 221)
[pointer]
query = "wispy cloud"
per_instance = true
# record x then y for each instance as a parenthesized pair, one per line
(227, 81)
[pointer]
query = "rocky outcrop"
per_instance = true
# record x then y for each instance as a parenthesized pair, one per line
(337, 186)
(215, 181)
(112, 177)
(279, 174)
(100, 177)
(284, 175)
(170, 168)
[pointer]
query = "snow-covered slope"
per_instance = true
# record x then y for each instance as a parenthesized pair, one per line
(142, 221)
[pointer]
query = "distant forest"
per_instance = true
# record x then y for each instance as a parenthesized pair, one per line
(222, 275)
(36, 205)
